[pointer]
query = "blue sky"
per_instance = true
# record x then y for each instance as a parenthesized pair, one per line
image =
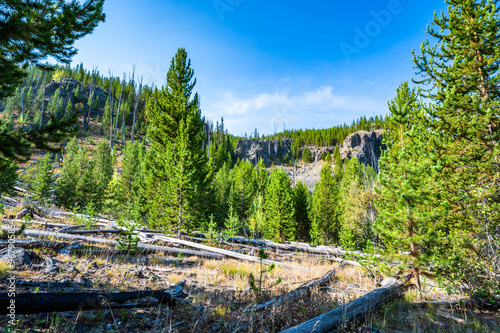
(260, 64)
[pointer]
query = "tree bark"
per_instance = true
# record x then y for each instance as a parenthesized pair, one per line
(140, 247)
(224, 252)
(351, 311)
(117, 116)
(135, 111)
(324, 250)
(302, 291)
(30, 303)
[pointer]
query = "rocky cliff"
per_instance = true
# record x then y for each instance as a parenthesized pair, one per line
(363, 145)
(271, 151)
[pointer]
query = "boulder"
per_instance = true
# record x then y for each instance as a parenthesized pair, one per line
(20, 257)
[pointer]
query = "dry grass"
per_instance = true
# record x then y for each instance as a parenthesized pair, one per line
(4, 269)
(222, 288)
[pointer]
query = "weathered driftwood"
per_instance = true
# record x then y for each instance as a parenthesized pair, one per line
(223, 252)
(140, 247)
(294, 247)
(10, 200)
(94, 231)
(30, 303)
(64, 215)
(218, 241)
(71, 227)
(56, 224)
(34, 244)
(300, 292)
(351, 311)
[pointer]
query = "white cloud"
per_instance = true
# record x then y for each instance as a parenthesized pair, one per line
(320, 108)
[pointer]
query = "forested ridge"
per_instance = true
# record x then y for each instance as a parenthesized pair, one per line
(144, 160)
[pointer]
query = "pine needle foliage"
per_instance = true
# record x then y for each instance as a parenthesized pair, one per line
(460, 72)
(177, 174)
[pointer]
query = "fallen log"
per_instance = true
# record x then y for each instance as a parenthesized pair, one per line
(224, 252)
(11, 200)
(94, 231)
(7, 203)
(140, 247)
(324, 250)
(300, 292)
(351, 311)
(31, 303)
(34, 244)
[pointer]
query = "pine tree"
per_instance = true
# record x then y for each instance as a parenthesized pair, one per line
(28, 36)
(106, 119)
(356, 200)
(232, 223)
(306, 155)
(406, 218)
(102, 164)
(243, 188)
(257, 216)
(69, 111)
(260, 178)
(29, 101)
(41, 184)
(222, 188)
(325, 208)
(281, 224)
(462, 74)
(302, 202)
(177, 177)
(8, 176)
(75, 184)
(339, 164)
(131, 169)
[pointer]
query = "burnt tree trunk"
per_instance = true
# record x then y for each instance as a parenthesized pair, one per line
(30, 303)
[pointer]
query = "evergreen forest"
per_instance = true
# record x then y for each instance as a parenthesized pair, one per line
(100, 148)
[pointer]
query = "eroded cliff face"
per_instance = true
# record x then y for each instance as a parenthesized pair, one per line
(363, 145)
(271, 151)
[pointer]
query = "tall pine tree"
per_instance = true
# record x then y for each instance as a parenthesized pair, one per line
(461, 72)
(407, 219)
(281, 224)
(177, 173)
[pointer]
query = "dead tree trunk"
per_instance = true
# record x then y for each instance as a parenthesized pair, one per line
(223, 252)
(351, 311)
(117, 116)
(111, 104)
(30, 303)
(43, 102)
(140, 247)
(135, 111)
(302, 291)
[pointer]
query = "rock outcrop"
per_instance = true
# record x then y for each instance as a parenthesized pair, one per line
(271, 151)
(317, 152)
(365, 146)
